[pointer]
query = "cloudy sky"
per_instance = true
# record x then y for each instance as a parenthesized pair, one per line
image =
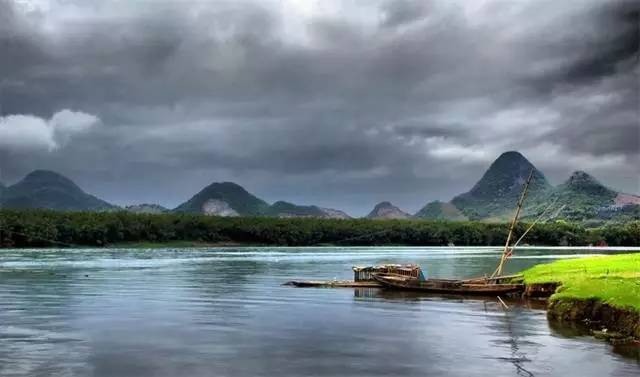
(335, 103)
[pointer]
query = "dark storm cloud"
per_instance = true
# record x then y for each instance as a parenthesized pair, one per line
(401, 12)
(603, 41)
(619, 41)
(399, 100)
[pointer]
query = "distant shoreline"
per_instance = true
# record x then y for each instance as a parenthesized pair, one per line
(43, 228)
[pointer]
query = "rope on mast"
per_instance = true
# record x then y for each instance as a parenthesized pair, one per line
(535, 222)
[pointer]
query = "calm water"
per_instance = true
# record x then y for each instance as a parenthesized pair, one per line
(223, 312)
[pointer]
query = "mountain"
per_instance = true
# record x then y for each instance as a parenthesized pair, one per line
(582, 187)
(386, 210)
(146, 208)
(224, 199)
(50, 190)
(286, 209)
(579, 198)
(583, 197)
(497, 192)
(438, 210)
(230, 199)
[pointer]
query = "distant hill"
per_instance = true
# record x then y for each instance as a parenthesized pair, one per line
(50, 190)
(579, 198)
(499, 188)
(493, 198)
(386, 210)
(438, 210)
(583, 197)
(146, 208)
(231, 199)
(286, 209)
(224, 199)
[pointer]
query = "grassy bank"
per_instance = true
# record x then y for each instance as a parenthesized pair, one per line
(613, 280)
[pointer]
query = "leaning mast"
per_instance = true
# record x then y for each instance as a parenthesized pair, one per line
(507, 251)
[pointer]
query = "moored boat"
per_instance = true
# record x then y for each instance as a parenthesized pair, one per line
(449, 286)
(363, 277)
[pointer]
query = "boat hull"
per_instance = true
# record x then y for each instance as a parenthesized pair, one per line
(446, 286)
(333, 284)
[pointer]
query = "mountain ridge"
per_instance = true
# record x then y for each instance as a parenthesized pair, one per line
(437, 210)
(285, 209)
(581, 197)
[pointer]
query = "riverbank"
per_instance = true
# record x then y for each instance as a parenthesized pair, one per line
(602, 293)
(40, 228)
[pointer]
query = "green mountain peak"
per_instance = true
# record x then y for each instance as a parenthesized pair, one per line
(48, 177)
(582, 197)
(582, 181)
(386, 210)
(50, 190)
(224, 197)
(499, 188)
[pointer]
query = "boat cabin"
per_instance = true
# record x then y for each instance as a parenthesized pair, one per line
(408, 270)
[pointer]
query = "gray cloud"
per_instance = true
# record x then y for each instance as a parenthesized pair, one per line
(341, 104)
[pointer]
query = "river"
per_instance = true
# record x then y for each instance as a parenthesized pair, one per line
(224, 312)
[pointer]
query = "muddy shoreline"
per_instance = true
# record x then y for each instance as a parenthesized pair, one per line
(615, 325)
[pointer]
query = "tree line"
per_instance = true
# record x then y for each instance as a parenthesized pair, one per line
(43, 228)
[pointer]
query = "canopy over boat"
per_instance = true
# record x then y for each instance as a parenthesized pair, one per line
(365, 273)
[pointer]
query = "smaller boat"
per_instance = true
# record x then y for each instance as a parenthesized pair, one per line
(363, 277)
(408, 271)
(480, 287)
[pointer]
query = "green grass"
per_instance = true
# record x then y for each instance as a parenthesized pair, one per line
(613, 279)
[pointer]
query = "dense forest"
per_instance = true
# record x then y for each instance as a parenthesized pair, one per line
(42, 228)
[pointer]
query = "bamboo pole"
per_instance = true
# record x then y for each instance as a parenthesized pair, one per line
(503, 258)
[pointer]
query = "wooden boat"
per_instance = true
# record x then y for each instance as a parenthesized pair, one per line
(495, 285)
(411, 277)
(449, 286)
(363, 277)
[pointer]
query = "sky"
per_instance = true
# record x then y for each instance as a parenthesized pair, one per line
(341, 104)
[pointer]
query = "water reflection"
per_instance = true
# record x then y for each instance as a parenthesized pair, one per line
(224, 312)
(503, 325)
